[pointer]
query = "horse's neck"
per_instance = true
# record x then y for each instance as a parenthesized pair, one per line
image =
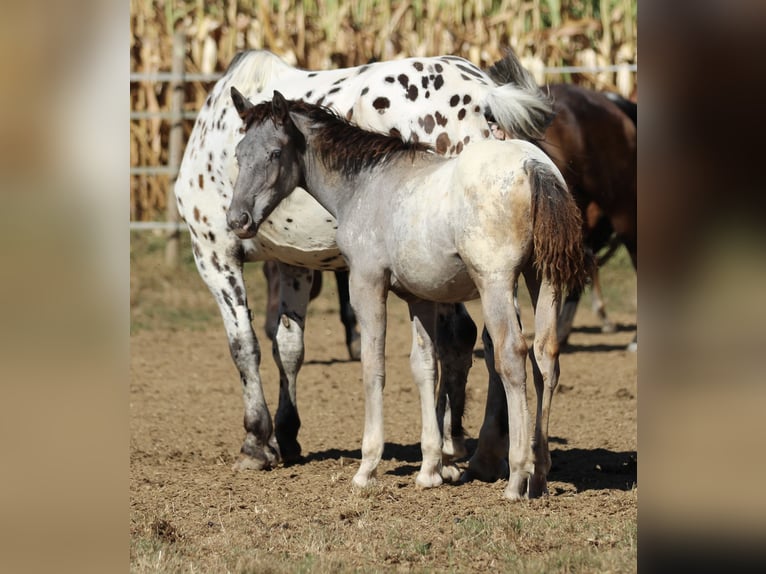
(330, 188)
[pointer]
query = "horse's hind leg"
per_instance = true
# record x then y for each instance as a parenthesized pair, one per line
(456, 337)
(424, 369)
(509, 362)
(545, 371)
(221, 270)
(295, 287)
(347, 317)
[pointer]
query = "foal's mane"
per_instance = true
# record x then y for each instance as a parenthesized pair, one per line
(342, 146)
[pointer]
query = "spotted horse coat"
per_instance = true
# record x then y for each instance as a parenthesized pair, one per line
(445, 101)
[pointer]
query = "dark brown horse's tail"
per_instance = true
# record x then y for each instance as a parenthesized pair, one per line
(557, 229)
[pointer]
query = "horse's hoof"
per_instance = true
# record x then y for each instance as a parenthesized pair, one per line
(451, 473)
(486, 471)
(291, 452)
(632, 347)
(608, 328)
(361, 481)
(355, 349)
(428, 479)
(538, 486)
(247, 462)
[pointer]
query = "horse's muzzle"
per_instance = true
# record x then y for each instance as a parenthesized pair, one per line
(242, 224)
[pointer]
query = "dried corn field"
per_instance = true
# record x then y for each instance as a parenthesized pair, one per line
(321, 34)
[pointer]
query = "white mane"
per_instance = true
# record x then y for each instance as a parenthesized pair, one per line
(252, 70)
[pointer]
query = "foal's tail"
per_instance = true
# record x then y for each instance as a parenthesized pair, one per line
(557, 229)
(517, 103)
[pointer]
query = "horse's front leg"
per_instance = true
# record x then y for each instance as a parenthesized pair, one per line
(368, 297)
(455, 340)
(424, 371)
(220, 267)
(288, 351)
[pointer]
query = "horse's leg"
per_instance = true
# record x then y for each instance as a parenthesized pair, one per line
(510, 354)
(220, 267)
(368, 298)
(424, 371)
(295, 287)
(488, 462)
(347, 317)
(607, 326)
(456, 338)
(271, 272)
(568, 310)
(545, 371)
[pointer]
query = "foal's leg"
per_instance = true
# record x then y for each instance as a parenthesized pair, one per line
(456, 337)
(271, 273)
(295, 288)
(424, 371)
(368, 297)
(545, 371)
(510, 352)
(347, 317)
(220, 266)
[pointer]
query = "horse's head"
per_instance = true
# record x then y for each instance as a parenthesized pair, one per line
(268, 162)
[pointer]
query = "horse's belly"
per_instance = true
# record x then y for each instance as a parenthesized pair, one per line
(300, 232)
(436, 278)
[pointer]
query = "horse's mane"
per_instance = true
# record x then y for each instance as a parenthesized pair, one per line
(342, 146)
(253, 69)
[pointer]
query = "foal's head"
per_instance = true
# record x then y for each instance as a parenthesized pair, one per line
(268, 162)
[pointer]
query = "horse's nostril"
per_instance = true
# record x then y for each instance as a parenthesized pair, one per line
(244, 220)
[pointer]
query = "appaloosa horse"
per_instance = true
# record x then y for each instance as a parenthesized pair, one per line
(430, 229)
(445, 101)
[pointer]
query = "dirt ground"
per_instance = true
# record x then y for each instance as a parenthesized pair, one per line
(190, 512)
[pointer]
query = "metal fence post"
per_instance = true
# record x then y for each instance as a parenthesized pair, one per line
(175, 143)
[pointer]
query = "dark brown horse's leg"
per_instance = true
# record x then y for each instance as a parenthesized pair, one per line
(456, 338)
(347, 317)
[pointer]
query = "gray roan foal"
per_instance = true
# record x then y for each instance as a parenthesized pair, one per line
(431, 229)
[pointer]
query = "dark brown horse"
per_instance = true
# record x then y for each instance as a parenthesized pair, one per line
(593, 141)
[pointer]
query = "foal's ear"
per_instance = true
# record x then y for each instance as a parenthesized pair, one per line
(279, 108)
(302, 122)
(242, 104)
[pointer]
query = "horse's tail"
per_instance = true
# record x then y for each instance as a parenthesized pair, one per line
(560, 255)
(517, 103)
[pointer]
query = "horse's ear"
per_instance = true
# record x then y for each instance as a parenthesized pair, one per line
(279, 108)
(242, 104)
(301, 122)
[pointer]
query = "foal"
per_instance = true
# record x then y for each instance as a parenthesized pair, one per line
(430, 229)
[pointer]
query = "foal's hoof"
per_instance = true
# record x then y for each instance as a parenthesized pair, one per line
(428, 479)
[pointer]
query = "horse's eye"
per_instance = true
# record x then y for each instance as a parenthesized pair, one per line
(275, 154)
